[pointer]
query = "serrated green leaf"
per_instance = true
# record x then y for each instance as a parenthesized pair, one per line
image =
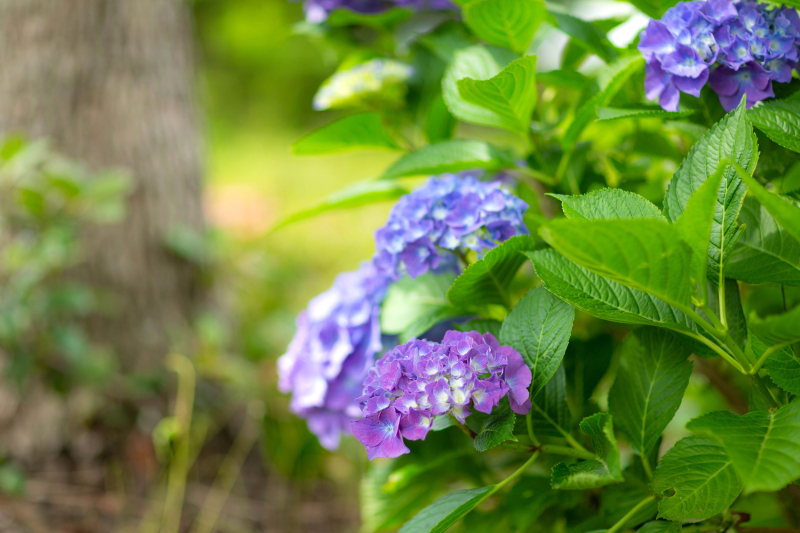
(653, 375)
(783, 366)
(511, 95)
(647, 255)
(364, 130)
(764, 446)
(478, 63)
(586, 35)
(777, 330)
(447, 156)
(697, 479)
(611, 80)
(696, 224)
(444, 512)
(507, 23)
(660, 526)
(599, 472)
(602, 297)
(486, 281)
(779, 120)
(765, 251)
(617, 113)
(356, 195)
(551, 416)
(497, 429)
(731, 138)
(538, 328)
(786, 212)
(608, 204)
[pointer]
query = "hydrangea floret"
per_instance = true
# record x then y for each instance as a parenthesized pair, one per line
(448, 213)
(318, 10)
(337, 339)
(376, 79)
(739, 48)
(417, 381)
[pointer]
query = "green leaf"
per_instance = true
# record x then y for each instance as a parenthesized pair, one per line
(765, 251)
(563, 78)
(586, 35)
(653, 375)
(697, 479)
(617, 113)
(586, 362)
(660, 526)
(779, 120)
(511, 95)
(764, 446)
(731, 138)
(696, 223)
(486, 281)
(411, 301)
(356, 195)
(538, 328)
(444, 512)
(447, 156)
(551, 415)
(385, 19)
(507, 23)
(608, 204)
(481, 325)
(602, 297)
(783, 366)
(737, 325)
(599, 472)
(440, 125)
(611, 80)
(477, 63)
(777, 330)
(364, 130)
(647, 255)
(786, 212)
(497, 429)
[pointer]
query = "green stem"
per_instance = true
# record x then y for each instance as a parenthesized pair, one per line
(512, 477)
(721, 352)
(554, 449)
(529, 423)
(572, 442)
(647, 468)
(464, 429)
(636, 508)
(722, 312)
(713, 317)
(761, 360)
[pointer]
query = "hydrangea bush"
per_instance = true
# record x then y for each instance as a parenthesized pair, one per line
(589, 312)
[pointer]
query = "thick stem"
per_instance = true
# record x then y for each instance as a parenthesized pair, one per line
(647, 468)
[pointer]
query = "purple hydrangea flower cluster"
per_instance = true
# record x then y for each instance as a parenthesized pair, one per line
(337, 339)
(452, 213)
(420, 380)
(751, 44)
(318, 10)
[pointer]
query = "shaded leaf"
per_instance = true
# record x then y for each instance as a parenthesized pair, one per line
(486, 281)
(697, 479)
(779, 120)
(783, 366)
(551, 416)
(538, 328)
(444, 512)
(777, 330)
(586, 34)
(786, 212)
(653, 375)
(497, 429)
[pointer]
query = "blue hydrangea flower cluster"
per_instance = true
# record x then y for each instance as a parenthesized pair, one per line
(419, 380)
(452, 213)
(739, 48)
(318, 10)
(337, 339)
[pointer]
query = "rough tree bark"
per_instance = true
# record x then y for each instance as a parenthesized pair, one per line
(110, 83)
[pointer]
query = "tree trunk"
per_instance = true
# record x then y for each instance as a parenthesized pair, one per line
(110, 83)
